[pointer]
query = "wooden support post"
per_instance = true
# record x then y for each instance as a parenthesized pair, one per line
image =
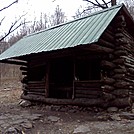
(73, 95)
(47, 80)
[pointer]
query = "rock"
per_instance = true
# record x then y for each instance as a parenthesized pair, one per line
(112, 109)
(19, 121)
(48, 108)
(2, 122)
(129, 116)
(55, 108)
(53, 118)
(5, 125)
(25, 103)
(72, 111)
(63, 109)
(3, 117)
(115, 117)
(81, 129)
(33, 117)
(27, 125)
(12, 130)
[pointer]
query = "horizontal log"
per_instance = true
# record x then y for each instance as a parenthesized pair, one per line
(86, 84)
(25, 73)
(80, 102)
(108, 81)
(119, 76)
(35, 93)
(88, 88)
(129, 60)
(120, 71)
(97, 48)
(86, 96)
(23, 68)
(121, 84)
(107, 88)
(121, 53)
(41, 90)
(119, 61)
(123, 47)
(108, 37)
(110, 30)
(130, 75)
(108, 57)
(106, 43)
(107, 65)
(35, 82)
(119, 35)
(129, 65)
(16, 62)
(130, 80)
(119, 102)
(36, 86)
(121, 41)
(61, 88)
(88, 92)
(121, 92)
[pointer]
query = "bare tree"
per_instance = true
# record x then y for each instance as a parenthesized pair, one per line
(15, 25)
(58, 17)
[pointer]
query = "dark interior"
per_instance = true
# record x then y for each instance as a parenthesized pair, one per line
(61, 78)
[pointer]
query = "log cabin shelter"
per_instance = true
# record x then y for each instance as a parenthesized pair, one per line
(88, 61)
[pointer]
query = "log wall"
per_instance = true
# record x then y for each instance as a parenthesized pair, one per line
(87, 89)
(117, 67)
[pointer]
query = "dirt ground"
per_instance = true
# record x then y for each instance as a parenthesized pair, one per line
(62, 119)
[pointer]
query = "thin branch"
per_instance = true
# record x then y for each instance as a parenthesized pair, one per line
(8, 5)
(105, 3)
(13, 27)
(97, 4)
(2, 20)
(100, 5)
(91, 2)
(11, 30)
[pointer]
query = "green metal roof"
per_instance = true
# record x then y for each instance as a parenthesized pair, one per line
(78, 32)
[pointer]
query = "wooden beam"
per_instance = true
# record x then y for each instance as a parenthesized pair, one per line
(47, 80)
(96, 48)
(80, 101)
(16, 62)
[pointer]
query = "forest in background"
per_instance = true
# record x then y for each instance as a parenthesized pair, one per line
(10, 75)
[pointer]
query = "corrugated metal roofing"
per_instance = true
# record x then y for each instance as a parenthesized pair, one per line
(78, 32)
